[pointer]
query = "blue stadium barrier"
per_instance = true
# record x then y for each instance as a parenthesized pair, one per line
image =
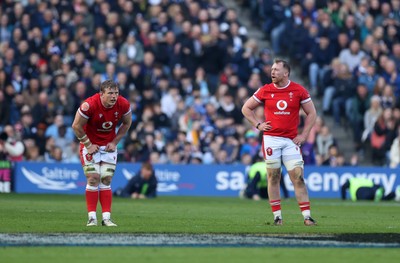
(191, 180)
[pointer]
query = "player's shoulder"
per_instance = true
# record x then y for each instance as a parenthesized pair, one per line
(267, 86)
(263, 89)
(123, 102)
(90, 103)
(296, 85)
(298, 88)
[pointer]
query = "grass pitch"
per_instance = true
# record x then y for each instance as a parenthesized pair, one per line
(194, 215)
(48, 214)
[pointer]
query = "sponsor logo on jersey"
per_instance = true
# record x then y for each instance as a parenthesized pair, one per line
(106, 126)
(281, 105)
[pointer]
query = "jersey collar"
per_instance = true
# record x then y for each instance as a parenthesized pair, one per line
(284, 86)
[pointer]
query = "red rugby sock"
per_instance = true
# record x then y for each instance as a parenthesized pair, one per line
(105, 199)
(92, 197)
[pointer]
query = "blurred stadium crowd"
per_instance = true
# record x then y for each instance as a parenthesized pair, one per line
(187, 66)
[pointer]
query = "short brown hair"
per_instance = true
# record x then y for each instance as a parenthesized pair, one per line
(108, 84)
(284, 63)
(147, 166)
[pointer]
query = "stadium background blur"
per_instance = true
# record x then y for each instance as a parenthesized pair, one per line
(188, 66)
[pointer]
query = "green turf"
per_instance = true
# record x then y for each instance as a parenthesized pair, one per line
(23, 213)
(194, 255)
(67, 213)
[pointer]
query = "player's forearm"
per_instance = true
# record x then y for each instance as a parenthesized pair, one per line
(250, 116)
(82, 136)
(121, 133)
(308, 124)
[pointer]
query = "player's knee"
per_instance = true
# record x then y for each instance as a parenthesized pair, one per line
(106, 181)
(93, 180)
(298, 177)
(274, 176)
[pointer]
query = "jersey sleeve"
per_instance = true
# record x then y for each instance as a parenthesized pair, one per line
(86, 109)
(125, 106)
(304, 96)
(259, 95)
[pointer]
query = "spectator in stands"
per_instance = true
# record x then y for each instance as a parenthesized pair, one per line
(321, 57)
(361, 14)
(370, 117)
(132, 48)
(352, 56)
(388, 98)
(359, 105)
(232, 147)
(31, 93)
(332, 8)
(366, 31)
(53, 129)
(331, 159)
(41, 110)
(324, 140)
(344, 90)
(32, 154)
(351, 28)
(382, 137)
(12, 146)
(369, 77)
(347, 8)
(282, 14)
(342, 43)
(26, 123)
(296, 29)
(396, 54)
(245, 59)
(392, 76)
(55, 155)
(251, 145)
(327, 82)
(341, 160)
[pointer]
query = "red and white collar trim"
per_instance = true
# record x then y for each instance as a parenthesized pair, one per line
(284, 86)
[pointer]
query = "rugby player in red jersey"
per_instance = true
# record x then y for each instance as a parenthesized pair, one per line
(282, 101)
(95, 126)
